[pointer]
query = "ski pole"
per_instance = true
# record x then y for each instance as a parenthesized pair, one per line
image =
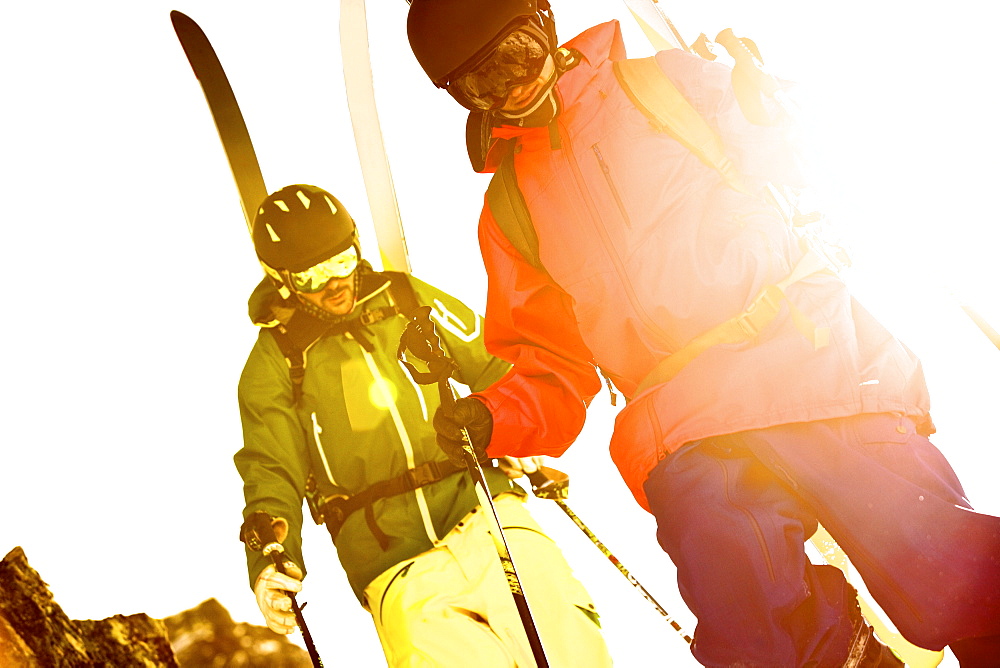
(420, 339)
(657, 26)
(548, 483)
(981, 323)
(258, 534)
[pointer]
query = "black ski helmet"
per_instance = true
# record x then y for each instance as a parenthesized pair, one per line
(298, 227)
(447, 34)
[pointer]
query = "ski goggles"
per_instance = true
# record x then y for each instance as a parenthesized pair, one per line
(517, 60)
(317, 276)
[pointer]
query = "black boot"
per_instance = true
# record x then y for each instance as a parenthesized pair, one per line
(867, 651)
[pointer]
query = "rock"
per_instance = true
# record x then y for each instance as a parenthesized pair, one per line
(35, 632)
(206, 636)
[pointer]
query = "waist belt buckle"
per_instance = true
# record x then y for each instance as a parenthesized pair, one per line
(424, 474)
(760, 312)
(333, 513)
(333, 509)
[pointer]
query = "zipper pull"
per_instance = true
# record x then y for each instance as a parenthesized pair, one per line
(611, 387)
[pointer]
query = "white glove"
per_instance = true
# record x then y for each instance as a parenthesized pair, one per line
(272, 599)
(515, 467)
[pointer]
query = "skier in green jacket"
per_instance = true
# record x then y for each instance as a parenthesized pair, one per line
(330, 416)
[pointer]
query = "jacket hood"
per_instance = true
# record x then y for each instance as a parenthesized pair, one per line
(266, 307)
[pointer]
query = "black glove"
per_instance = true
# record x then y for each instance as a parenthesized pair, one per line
(470, 413)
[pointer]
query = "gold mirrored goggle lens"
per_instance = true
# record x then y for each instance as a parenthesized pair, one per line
(316, 277)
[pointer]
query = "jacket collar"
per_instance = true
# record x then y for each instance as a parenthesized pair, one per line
(598, 45)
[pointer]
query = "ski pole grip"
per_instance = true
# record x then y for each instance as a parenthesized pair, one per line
(538, 479)
(548, 483)
(736, 47)
(257, 531)
(420, 340)
(746, 55)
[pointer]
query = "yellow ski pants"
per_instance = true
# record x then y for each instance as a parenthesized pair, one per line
(451, 607)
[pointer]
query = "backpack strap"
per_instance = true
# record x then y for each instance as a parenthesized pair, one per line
(511, 211)
(748, 324)
(295, 359)
(656, 96)
(293, 339)
(402, 292)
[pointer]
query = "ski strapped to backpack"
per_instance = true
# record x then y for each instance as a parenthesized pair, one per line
(652, 92)
(372, 155)
(225, 113)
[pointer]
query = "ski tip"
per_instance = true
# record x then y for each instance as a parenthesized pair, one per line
(177, 17)
(185, 25)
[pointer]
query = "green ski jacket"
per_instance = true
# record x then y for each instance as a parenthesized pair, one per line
(360, 420)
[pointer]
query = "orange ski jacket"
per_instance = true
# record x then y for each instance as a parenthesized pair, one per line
(644, 248)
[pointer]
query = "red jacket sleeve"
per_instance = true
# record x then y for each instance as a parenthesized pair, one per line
(539, 406)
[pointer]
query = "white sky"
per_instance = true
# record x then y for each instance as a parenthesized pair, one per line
(119, 416)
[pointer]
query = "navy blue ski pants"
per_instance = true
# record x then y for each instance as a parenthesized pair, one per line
(733, 513)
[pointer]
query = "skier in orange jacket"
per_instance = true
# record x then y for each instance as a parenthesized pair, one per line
(762, 397)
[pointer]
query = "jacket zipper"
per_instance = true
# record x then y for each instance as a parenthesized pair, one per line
(611, 185)
(317, 430)
(608, 246)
